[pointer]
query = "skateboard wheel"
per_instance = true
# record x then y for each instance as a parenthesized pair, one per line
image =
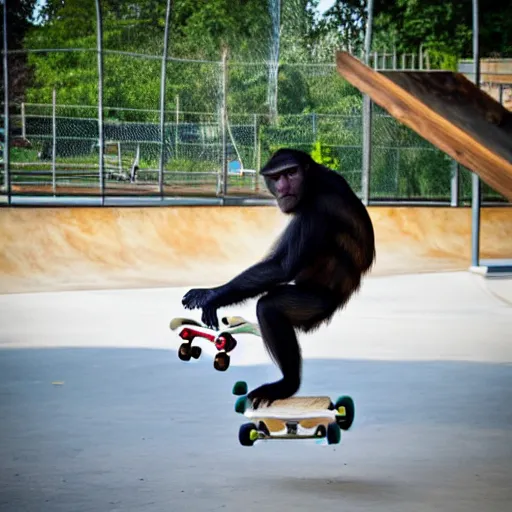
(240, 388)
(184, 352)
(333, 433)
(230, 343)
(221, 362)
(247, 434)
(346, 410)
(195, 352)
(241, 405)
(225, 342)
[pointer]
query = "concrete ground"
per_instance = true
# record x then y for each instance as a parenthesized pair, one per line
(98, 414)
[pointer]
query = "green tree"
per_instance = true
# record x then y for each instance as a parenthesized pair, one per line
(128, 81)
(345, 21)
(445, 28)
(20, 20)
(199, 30)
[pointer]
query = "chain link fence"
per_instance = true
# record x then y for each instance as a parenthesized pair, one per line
(221, 120)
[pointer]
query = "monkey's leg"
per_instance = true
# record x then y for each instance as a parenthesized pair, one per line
(279, 313)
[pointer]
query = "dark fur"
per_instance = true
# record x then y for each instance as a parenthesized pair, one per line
(326, 249)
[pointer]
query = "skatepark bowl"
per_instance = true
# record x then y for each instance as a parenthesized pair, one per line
(99, 414)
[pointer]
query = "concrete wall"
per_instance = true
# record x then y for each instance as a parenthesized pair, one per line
(45, 249)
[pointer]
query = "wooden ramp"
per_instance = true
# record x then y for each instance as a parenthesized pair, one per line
(447, 110)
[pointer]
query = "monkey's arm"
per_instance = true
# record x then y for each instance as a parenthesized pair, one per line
(298, 244)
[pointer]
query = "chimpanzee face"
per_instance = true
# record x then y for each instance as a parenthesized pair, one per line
(287, 186)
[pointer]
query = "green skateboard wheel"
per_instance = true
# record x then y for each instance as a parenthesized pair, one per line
(345, 410)
(333, 433)
(240, 388)
(241, 404)
(247, 434)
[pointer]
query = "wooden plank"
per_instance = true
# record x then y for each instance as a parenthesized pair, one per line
(493, 79)
(459, 101)
(298, 403)
(447, 110)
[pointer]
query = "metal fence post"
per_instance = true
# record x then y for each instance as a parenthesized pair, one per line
(454, 184)
(99, 44)
(54, 139)
(176, 134)
(255, 151)
(23, 122)
(258, 167)
(475, 181)
(222, 185)
(367, 115)
(6, 155)
(162, 101)
(273, 70)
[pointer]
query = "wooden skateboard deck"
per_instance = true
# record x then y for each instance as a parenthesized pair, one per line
(306, 417)
(189, 329)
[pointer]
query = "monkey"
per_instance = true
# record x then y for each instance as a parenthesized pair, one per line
(310, 272)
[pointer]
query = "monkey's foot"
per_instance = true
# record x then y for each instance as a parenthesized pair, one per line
(268, 393)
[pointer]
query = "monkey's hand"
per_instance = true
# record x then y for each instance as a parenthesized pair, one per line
(205, 299)
(199, 298)
(210, 318)
(268, 393)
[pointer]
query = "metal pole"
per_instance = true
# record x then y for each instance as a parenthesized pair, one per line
(176, 134)
(99, 43)
(258, 166)
(454, 184)
(23, 122)
(223, 121)
(7, 176)
(255, 155)
(119, 158)
(367, 114)
(273, 85)
(54, 139)
(162, 100)
(475, 181)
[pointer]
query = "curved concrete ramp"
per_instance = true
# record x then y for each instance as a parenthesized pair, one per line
(447, 110)
(48, 249)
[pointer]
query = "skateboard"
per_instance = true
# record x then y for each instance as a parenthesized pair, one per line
(307, 417)
(223, 340)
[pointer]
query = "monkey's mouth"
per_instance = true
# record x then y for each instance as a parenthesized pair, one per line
(287, 203)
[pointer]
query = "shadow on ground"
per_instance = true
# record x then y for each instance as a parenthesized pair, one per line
(134, 429)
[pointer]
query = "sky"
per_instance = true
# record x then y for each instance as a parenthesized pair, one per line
(324, 5)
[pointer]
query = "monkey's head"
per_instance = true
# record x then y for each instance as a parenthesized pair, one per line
(286, 177)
